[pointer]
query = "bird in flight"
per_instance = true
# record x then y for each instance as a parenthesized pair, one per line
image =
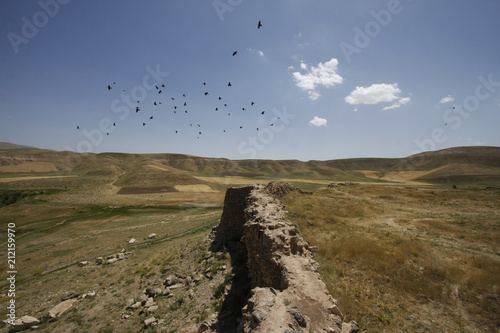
(259, 25)
(159, 91)
(206, 93)
(262, 112)
(137, 109)
(109, 87)
(151, 117)
(220, 98)
(77, 127)
(163, 86)
(155, 103)
(234, 53)
(229, 84)
(204, 83)
(143, 124)
(252, 103)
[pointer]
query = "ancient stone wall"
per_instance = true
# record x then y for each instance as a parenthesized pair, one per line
(287, 292)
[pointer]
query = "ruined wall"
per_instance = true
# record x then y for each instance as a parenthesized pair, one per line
(287, 293)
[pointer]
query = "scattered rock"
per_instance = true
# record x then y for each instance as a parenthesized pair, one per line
(70, 295)
(23, 323)
(204, 326)
(61, 308)
(131, 241)
(298, 316)
(120, 256)
(151, 322)
(111, 261)
(151, 236)
(170, 280)
(153, 308)
(99, 260)
(83, 263)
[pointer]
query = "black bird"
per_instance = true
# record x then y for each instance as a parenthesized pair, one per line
(114, 82)
(252, 103)
(172, 98)
(243, 109)
(109, 87)
(229, 84)
(159, 91)
(151, 117)
(241, 126)
(183, 95)
(225, 104)
(184, 103)
(77, 127)
(185, 111)
(224, 131)
(155, 103)
(107, 133)
(191, 125)
(257, 128)
(156, 86)
(175, 107)
(159, 102)
(206, 93)
(259, 25)
(175, 112)
(216, 109)
(198, 125)
(234, 53)
(143, 124)
(204, 83)
(176, 132)
(199, 133)
(137, 102)
(263, 112)
(220, 98)
(163, 86)
(114, 124)
(137, 109)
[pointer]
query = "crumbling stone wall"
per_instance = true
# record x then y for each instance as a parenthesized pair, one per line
(287, 292)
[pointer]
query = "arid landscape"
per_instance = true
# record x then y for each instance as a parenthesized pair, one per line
(404, 244)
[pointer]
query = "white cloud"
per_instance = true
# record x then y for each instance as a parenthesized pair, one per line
(447, 99)
(316, 121)
(290, 68)
(252, 51)
(313, 95)
(376, 93)
(355, 109)
(398, 104)
(322, 75)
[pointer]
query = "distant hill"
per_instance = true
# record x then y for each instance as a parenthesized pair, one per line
(13, 146)
(460, 165)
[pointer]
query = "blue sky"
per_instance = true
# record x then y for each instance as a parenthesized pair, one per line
(335, 79)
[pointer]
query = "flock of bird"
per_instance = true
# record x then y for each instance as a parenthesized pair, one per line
(183, 104)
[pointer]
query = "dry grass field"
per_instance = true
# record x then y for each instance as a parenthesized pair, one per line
(407, 259)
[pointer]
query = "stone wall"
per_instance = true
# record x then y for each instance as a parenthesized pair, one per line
(287, 292)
